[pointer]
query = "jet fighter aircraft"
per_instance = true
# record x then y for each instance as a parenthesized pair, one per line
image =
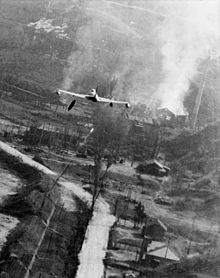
(92, 96)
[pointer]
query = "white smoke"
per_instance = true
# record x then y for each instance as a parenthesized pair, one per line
(154, 48)
(94, 54)
(186, 41)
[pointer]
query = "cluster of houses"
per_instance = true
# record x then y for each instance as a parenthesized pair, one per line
(155, 250)
(138, 248)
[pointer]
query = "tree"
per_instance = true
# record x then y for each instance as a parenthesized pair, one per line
(106, 141)
(143, 141)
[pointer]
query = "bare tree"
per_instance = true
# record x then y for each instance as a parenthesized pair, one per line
(107, 138)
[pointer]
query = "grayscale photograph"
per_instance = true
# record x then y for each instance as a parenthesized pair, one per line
(109, 139)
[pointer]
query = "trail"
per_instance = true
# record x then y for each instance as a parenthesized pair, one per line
(97, 235)
(96, 238)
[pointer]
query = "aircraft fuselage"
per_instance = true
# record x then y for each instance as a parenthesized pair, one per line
(92, 98)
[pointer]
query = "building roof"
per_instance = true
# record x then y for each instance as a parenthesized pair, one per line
(165, 110)
(55, 129)
(157, 222)
(154, 245)
(49, 127)
(157, 163)
(162, 225)
(141, 120)
(164, 252)
(161, 250)
(131, 242)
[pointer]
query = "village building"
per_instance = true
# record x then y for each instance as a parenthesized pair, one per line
(50, 135)
(158, 253)
(164, 114)
(154, 168)
(155, 229)
(167, 118)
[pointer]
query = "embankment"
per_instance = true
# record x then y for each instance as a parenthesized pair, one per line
(94, 246)
(48, 238)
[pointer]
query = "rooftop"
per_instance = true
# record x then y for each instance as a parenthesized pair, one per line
(161, 250)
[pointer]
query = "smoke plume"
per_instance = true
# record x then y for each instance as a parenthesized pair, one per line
(153, 48)
(188, 40)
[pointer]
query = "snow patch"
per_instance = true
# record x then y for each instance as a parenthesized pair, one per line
(7, 223)
(47, 25)
(25, 158)
(8, 184)
(67, 199)
(76, 190)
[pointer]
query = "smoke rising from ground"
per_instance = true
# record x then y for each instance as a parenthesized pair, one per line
(186, 43)
(153, 48)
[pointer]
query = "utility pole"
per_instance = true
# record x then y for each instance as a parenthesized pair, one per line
(168, 242)
(69, 163)
(190, 242)
(200, 93)
(144, 246)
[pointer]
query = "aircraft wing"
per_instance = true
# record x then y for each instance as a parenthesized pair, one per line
(108, 100)
(59, 91)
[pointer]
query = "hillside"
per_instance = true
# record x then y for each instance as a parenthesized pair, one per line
(162, 58)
